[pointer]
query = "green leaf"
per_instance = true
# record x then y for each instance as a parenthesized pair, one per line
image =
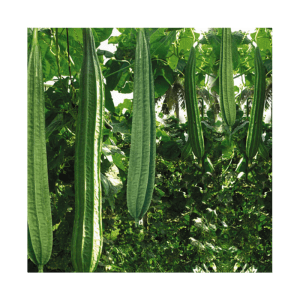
(55, 124)
(164, 71)
(160, 86)
(160, 42)
(111, 67)
(101, 34)
(173, 61)
(109, 104)
(186, 42)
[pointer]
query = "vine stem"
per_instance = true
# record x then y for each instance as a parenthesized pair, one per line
(57, 52)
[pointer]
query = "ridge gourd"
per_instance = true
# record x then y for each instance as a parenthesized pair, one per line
(87, 239)
(39, 216)
(226, 83)
(141, 172)
(256, 115)
(193, 114)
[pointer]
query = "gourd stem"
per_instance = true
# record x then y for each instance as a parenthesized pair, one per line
(40, 268)
(136, 223)
(35, 34)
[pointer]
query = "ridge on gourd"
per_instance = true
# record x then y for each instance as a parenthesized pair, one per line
(226, 83)
(193, 113)
(87, 238)
(141, 172)
(39, 217)
(256, 115)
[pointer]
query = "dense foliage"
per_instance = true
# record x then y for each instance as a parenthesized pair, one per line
(199, 220)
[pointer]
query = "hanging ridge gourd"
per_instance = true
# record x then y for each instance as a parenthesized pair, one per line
(193, 114)
(257, 109)
(38, 198)
(226, 83)
(87, 236)
(141, 172)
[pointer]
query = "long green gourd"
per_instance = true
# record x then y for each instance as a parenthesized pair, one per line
(141, 172)
(193, 113)
(256, 116)
(226, 83)
(38, 199)
(87, 236)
